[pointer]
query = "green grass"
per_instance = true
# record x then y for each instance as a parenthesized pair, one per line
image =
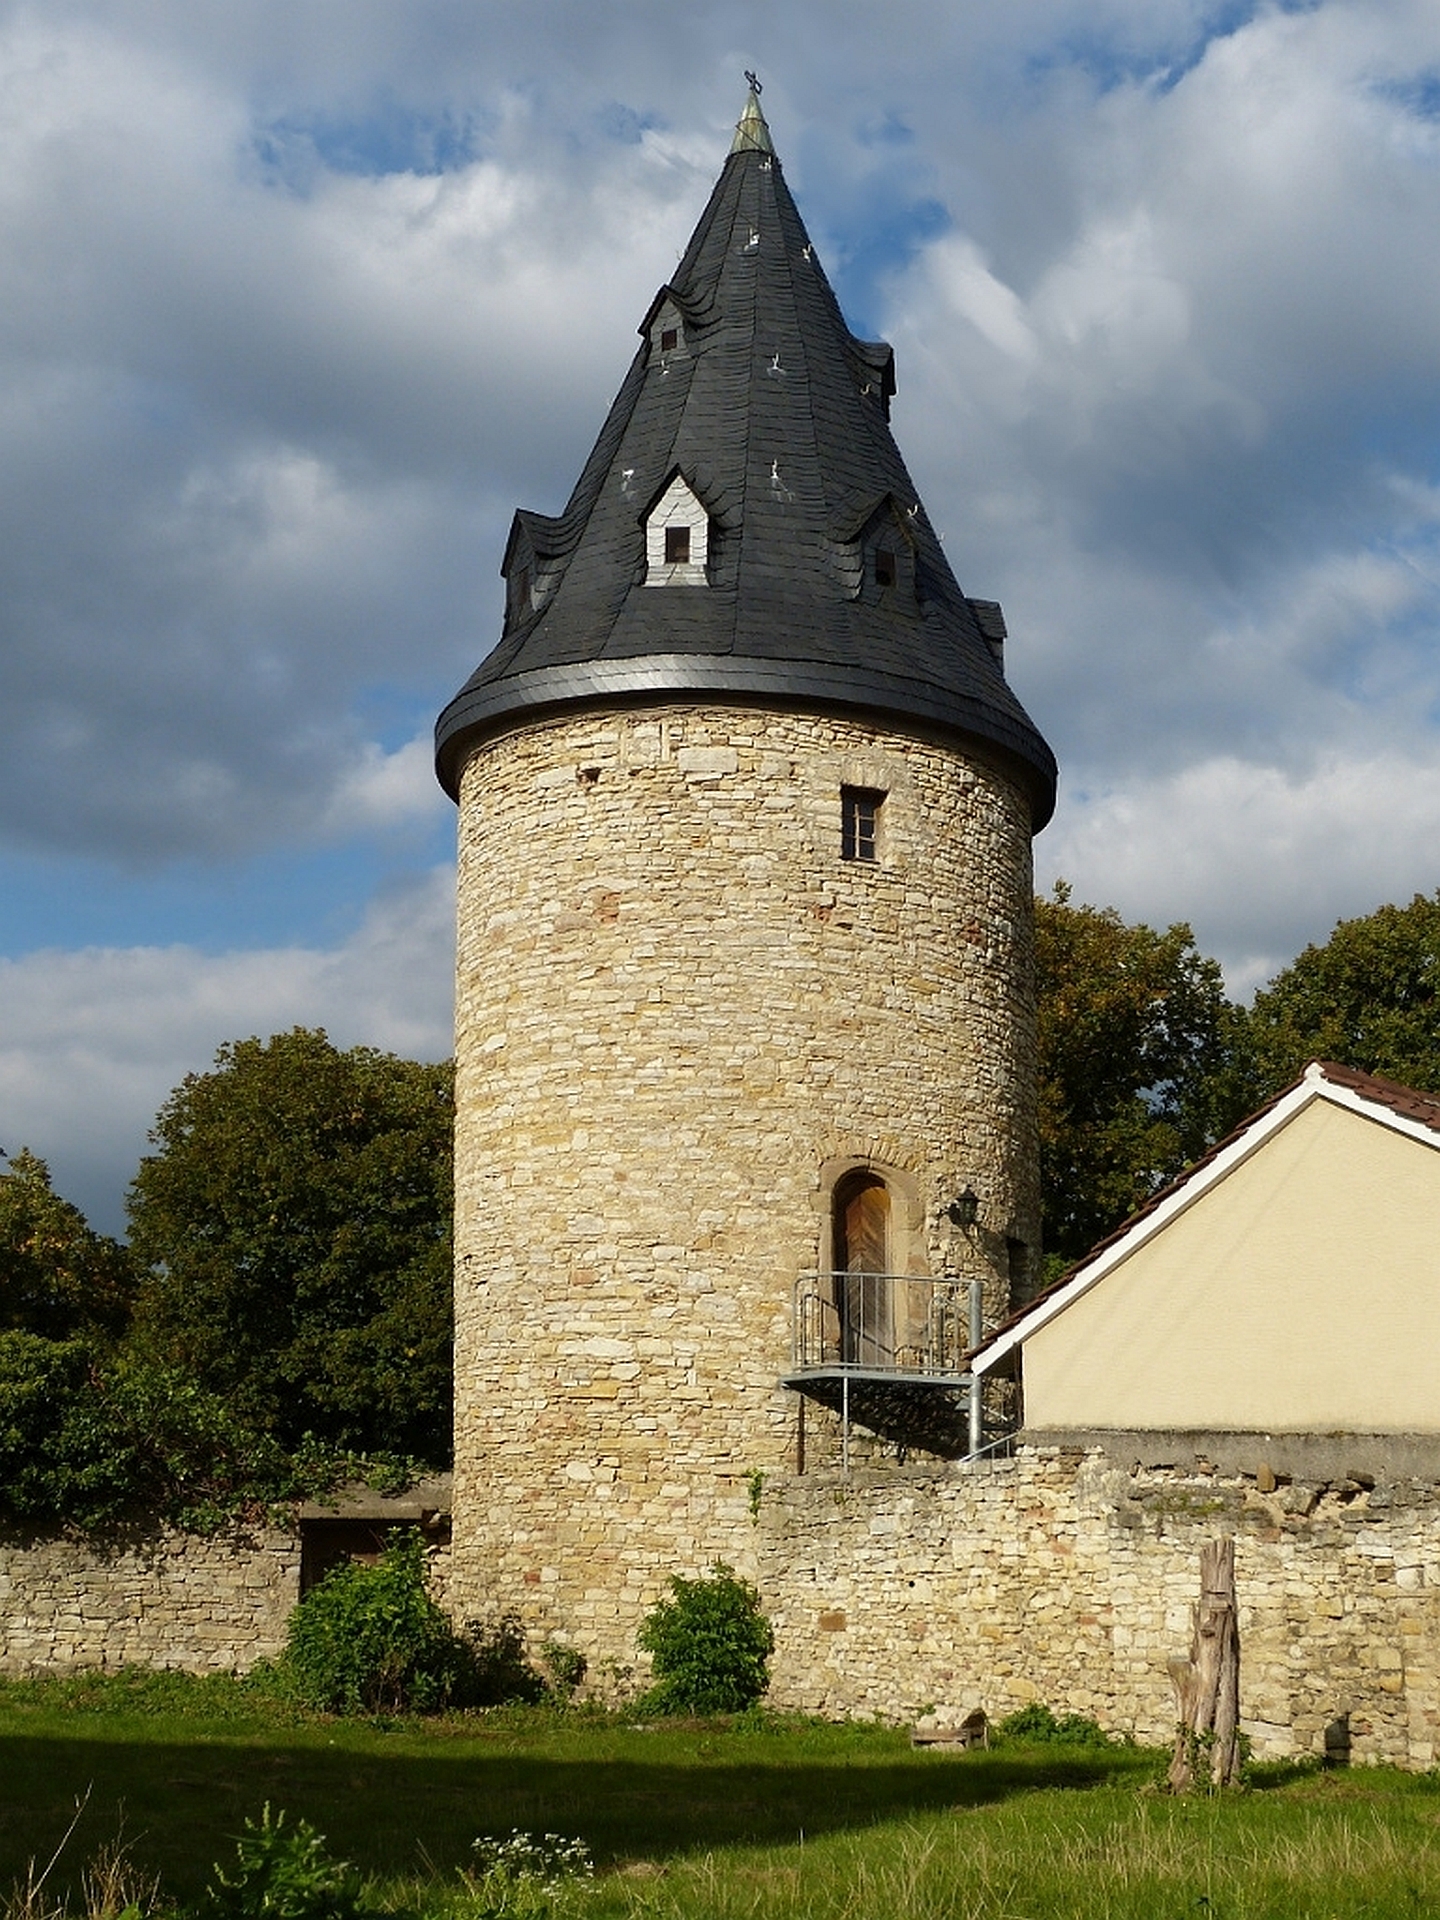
(754, 1818)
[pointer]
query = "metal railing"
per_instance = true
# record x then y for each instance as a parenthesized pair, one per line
(903, 1324)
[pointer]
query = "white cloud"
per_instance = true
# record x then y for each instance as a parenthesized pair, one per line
(1169, 359)
(387, 790)
(91, 1042)
(1258, 861)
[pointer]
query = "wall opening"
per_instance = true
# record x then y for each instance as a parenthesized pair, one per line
(861, 1234)
(860, 823)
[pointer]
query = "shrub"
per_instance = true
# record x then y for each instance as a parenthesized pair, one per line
(710, 1644)
(282, 1873)
(502, 1672)
(370, 1639)
(566, 1667)
(1039, 1723)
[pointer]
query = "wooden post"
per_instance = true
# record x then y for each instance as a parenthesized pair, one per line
(1207, 1685)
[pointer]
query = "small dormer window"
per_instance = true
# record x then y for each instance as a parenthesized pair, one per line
(664, 328)
(886, 571)
(521, 592)
(677, 537)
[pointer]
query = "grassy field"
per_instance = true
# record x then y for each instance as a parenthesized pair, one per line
(765, 1818)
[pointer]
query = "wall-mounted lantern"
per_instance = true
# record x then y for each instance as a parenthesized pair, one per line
(964, 1210)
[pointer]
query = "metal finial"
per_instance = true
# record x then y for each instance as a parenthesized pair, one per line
(755, 86)
(752, 135)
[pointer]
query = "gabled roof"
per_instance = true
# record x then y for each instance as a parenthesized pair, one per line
(779, 418)
(1403, 1109)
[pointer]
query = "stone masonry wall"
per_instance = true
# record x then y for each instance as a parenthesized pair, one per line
(1065, 1578)
(681, 1016)
(1057, 1576)
(164, 1600)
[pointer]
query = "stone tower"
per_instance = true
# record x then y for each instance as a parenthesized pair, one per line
(744, 992)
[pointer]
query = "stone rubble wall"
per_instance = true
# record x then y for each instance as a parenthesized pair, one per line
(906, 1591)
(167, 1599)
(1061, 1577)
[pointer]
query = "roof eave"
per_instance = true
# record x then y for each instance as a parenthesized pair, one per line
(479, 712)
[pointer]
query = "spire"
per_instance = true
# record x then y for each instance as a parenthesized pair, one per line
(745, 526)
(751, 133)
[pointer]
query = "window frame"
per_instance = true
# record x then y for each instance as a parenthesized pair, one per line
(860, 811)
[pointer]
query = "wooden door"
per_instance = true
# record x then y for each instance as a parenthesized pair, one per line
(862, 1253)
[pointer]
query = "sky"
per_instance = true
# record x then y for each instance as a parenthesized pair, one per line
(298, 302)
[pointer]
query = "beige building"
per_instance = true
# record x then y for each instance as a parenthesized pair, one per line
(744, 1034)
(1288, 1285)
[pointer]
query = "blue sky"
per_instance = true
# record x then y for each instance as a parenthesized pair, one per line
(302, 301)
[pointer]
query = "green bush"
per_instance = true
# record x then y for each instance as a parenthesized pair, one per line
(282, 1873)
(370, 1639)
(1039, 1723)
(710, 1644)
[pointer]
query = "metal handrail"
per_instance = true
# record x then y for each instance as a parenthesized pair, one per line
(905, 1324)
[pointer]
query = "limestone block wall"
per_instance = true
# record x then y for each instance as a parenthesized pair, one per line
(681, 1015)
(1062, 1577)
(169, 1599)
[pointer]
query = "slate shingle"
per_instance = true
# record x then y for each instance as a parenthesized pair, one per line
(779, 419)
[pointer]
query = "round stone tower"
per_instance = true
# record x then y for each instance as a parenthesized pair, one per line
(744, 1031)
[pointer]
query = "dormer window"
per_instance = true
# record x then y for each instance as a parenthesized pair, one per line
(677, 537)
(664, 327)
(519, 592)
(886, 572)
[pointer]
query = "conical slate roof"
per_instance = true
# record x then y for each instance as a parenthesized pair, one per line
(823, 584)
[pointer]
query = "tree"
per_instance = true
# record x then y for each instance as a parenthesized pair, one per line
(58, 1279)
(1133, 1028)
(87, 1440)
(294, 1224)
(1368, 998)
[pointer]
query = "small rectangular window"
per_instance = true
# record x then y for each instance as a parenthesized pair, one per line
(884, 567)
(677, 546)
(859, 822)
(669, 339)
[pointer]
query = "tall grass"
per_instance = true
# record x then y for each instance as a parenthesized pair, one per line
(1098, 1856)
(752, 1819)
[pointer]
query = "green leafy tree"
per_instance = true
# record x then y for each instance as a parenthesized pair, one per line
(293, 1223)
(47, 1403)
(58, 1279)
(1369, 998)
(1134, 1035)
(89, 1433)
(89, 1439)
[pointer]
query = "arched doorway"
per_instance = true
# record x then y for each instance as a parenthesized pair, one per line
(861, 1236)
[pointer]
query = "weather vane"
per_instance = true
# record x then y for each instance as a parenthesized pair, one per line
(755, 86)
